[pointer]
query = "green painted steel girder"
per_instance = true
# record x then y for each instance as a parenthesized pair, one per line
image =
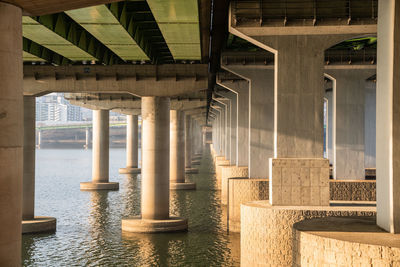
(61, 34)
(106, 27)
(35, 52)
(179, 23)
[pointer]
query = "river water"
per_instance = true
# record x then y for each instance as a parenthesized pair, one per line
(89, 223)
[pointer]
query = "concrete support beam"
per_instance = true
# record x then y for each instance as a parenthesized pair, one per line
(388, 117)
(261, 116)
(139, 80)
(349, 108)
(226, 104)
(241, 89)
(100, 157)
(222, 126)
(370, 125)
(155, 171)
(132, 146)
(11, 134)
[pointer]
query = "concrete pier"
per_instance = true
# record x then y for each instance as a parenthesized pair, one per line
(155, 171)
(30, 222)
(177, 152)
(100, 157)
(132, 145)
(11, 135)
(188, 146)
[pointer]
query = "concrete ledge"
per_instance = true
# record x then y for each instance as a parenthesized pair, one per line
(266, 231)
(86, 186)
(191, 170)
(218, 171)
(40, 224)
(230, 172)
(338, 241)
(196, 157)
(182, 186)
(240, 191)
(129, 170)
(352, 190)
(139, 225)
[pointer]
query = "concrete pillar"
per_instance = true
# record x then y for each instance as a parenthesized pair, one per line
(30, 222)
(39, 139)
(28, 192)
(100, 154)
(155, 171)
(388, 117)
(261, 116)
(132, 143)
(349, 89)
(241, 89)
(11, 134)
(370, 125)
(189, 145)
(177, 152)
(232, 125)
(87, 138)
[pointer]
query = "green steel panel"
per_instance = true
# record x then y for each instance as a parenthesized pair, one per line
(179, 23)
(102, 24)
(40, 34)
(29, 57)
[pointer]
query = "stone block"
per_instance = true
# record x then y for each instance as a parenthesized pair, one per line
(288, 177)
(228, 172)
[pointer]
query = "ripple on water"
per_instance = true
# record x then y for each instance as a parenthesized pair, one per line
(89, 223)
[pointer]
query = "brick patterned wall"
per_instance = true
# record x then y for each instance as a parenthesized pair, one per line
(266, 231)
(242, 191)
(361, 190)
(230, 172)
(313, 250)
(299, 182)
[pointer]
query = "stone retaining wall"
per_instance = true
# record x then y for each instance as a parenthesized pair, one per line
(242, 191)
(266, 231)
(228, 172)
(353, 190)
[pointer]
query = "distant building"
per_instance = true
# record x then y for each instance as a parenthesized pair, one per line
(54, 107)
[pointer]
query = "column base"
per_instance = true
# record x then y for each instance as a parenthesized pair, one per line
(182, 186)
(39, 224)
(191, 170)
(195, 162)
(196, 157)
(230, 172)
(138, 225)
(130, 170)
(87, 186)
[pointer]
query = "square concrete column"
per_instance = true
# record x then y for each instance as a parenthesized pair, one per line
(261, 116)
(132, 145)
(241, 89)
(100, 154)
(370, 125)
(349, 89)
(222, 128)
(388, 117)
(226, 106)
(11, 134)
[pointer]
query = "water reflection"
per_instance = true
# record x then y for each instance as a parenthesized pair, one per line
(89, 223)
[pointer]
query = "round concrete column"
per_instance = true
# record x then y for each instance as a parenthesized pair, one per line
(132, 142)
(30, 223)
(155, 171)
(177, 152)
(188, 146)
(100, 157)
(11, 134)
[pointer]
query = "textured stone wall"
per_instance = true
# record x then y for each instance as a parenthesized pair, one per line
(220, 162)
(243, 191)
(313, 250)
(230, 172)
(266, 231)
(362, 190)
(296, 181)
